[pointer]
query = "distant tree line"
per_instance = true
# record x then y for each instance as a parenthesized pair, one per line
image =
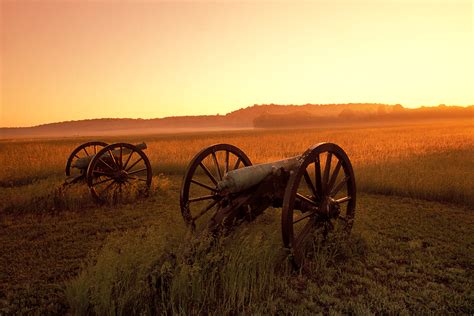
(348, 115)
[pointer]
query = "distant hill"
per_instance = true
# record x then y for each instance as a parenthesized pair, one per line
(259, 116)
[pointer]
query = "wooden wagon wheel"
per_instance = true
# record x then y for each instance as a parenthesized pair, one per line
(85, 150)
(119, 172)
(320, 182)
(199, 198)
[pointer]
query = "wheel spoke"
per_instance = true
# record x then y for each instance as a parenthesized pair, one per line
(203, 185)
(214, 158)
(236, 163)
(85, 150)
(342, 200)
(327, 227)
(204, 210)
(208, 173)
(327, 169)
(317, 175)
(226, 162)
(303, 234)
(107, 187)
(334, 176)
(128, 159)
(339, 186)
(95, 149)
(342, 218)
(310, 184)
(101, 173)
(135, 178)
(134, 164)
(103, 181)
(304, 198)
(137, 171)
(303, 217)
(108, 166)
(75, 155)
(202, 198)
(120, 158)
(113, 159)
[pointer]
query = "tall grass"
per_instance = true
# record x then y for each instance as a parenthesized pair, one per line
(23, 162)
(445, 176)
(424, 161)
(51, 195)
(409, 261)
(32, 159)
(158, 271)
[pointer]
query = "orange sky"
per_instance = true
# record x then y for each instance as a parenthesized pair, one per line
(70, 60)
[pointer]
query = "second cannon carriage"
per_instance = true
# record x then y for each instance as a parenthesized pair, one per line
(113, 173)
(316, 192)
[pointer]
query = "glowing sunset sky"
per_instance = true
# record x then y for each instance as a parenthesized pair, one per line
(70, 60)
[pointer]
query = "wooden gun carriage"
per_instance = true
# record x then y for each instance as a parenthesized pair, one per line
(110, 171)
(316, 191)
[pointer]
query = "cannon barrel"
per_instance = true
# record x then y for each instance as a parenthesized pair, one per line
(83, 163)
(244, 178)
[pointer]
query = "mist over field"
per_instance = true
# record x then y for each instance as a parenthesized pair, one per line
(256, 116)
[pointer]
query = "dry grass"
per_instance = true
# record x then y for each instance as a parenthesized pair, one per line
(22, 160)
(412, 261)
(420, 158)
(406, 257)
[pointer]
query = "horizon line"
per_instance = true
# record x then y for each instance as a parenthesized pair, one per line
(241, 108)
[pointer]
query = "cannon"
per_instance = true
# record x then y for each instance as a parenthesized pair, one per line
(110, 171)
(316, 192)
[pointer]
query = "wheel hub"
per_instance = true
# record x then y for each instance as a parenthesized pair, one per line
(122, 176)
(330, 208)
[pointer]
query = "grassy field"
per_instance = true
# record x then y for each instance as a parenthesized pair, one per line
(442, 152)
(411, 250)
